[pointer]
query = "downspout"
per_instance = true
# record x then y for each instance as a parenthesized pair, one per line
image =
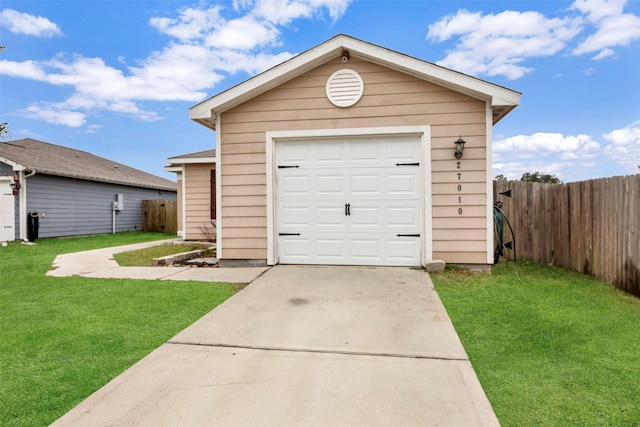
(23, 203)
(183, 206)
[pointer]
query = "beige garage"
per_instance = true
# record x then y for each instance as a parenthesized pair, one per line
(345, 155)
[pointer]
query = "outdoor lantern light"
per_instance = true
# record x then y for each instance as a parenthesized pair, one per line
(15, 185)
(459, 147)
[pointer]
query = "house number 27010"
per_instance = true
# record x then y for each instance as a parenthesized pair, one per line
(459, 166)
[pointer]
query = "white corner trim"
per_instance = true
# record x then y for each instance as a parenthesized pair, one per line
(424, 132)
(271, 238)
(427, 191)
(219, 224)
(183, 184)
(489, 179)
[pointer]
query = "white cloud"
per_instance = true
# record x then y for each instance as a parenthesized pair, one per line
(192, 24)
(24, 23)
(515, 170)
(205, 46)
(55, 114)
(614, 27)
(499, 44)
(569, 157)
(604, 53)
(624, 147)
(545, 144)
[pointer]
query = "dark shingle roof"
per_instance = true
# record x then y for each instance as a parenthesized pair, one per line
(198, 155)
(51, 159)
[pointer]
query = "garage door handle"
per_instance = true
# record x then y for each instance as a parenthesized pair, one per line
(408, 235)
(288, 234)
(347, 209)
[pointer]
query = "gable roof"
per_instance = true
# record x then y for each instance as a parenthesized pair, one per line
(201, 157)
(502, 99)
(50, 159)
(206, 156)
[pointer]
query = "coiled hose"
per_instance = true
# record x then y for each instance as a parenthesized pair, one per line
(499, 218)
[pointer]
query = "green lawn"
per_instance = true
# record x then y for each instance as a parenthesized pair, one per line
(555, 348)
(63, 338)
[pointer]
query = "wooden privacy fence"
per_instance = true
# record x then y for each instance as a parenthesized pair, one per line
(160, 216)
(588, 226)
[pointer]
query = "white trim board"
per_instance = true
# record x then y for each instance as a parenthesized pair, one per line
(424, 132)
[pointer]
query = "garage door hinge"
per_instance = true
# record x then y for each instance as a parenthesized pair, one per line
(287, 166)
(408, 235)
(407, 164)
(288, 234)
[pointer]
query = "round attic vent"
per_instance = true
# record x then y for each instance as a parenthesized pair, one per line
(344, 88)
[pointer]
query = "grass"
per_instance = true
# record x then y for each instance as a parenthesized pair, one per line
(63, 338)
(144, 257)
(555, 349)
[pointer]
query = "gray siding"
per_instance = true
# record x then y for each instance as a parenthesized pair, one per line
(75, 207)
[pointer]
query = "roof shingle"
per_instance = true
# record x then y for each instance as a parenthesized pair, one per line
(51, 159)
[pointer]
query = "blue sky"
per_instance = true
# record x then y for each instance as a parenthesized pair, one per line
(116, 78)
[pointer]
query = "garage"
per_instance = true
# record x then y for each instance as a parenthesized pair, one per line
(354, 154)
(349, 201)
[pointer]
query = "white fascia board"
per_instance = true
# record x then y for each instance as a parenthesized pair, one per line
(442, 76)
(172, 168)
(269, 79)
(192, 160)
(16, 166)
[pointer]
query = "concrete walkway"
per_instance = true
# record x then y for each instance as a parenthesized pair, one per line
(99, 263)
(304, 346)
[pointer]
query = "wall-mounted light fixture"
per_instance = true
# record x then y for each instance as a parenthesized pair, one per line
(15, 185)
(345, 56)
(459, 147)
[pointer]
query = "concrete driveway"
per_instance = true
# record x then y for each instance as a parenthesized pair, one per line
(305, 346)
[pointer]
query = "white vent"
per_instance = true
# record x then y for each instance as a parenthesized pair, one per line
(345, 88)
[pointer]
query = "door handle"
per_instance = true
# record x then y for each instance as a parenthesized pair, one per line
(347, 209)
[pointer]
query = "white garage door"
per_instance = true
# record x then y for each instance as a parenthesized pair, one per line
(349, 201)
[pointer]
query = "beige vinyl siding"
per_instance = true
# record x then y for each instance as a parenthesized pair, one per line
(390, 99)
(198, 199)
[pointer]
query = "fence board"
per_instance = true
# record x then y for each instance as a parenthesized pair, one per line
(160, 216)
(590, 226)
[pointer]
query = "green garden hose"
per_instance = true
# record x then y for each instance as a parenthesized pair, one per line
(499, 218)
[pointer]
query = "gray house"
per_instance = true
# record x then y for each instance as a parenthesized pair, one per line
(47, 190)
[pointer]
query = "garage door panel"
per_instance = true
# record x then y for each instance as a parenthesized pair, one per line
(403, 183)
(329, 217)
(332, 185)
(295, 186)
(330, 248)
(364, 184)
(403, 251)
(294, 217)
(403, 217)
(295, 249)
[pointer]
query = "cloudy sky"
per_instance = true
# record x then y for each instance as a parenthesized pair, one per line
(116, 78)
